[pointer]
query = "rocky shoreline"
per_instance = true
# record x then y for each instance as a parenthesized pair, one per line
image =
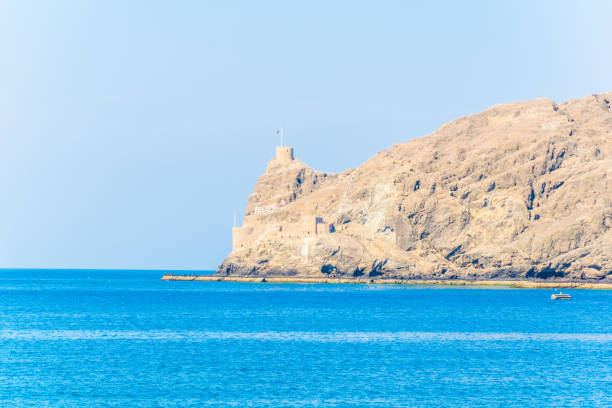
(437, 282)
(519, 192)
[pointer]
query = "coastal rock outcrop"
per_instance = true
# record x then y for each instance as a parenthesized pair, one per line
(519, 191)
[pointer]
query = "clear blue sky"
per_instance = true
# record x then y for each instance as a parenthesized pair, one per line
(133, 130)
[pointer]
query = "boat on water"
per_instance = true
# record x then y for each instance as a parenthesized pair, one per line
(560, 295)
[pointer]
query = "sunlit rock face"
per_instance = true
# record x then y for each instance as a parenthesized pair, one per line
(519, 191)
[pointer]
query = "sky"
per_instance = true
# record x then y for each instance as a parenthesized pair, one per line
(132, 131)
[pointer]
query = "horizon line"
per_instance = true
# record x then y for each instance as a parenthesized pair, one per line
(107, 269)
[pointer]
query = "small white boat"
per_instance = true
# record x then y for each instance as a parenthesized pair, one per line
(560, 295)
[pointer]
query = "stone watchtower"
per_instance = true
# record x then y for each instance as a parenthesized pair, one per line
(284, 154)
(236, 239)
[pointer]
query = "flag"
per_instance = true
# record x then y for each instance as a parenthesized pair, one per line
(278, 131)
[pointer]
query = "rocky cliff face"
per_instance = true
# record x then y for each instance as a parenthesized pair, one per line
(518, 191)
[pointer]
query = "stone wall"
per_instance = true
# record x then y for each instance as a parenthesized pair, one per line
(308, 226)
(284, 154)
(241, 237)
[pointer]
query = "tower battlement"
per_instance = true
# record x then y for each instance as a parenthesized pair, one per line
(284, 154)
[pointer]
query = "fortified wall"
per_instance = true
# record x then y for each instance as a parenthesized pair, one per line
(308, 227)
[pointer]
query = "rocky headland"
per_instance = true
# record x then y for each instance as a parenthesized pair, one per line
(521, 191)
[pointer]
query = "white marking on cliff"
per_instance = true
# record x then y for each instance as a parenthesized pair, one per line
(345, 193)
(379, 196)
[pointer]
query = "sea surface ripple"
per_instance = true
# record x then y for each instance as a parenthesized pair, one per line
(74, 338)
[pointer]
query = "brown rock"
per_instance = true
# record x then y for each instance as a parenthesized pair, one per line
(521, 190)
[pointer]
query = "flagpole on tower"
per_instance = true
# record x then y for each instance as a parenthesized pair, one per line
(281, 135)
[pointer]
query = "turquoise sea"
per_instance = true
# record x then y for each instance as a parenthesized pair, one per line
(82, 338)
